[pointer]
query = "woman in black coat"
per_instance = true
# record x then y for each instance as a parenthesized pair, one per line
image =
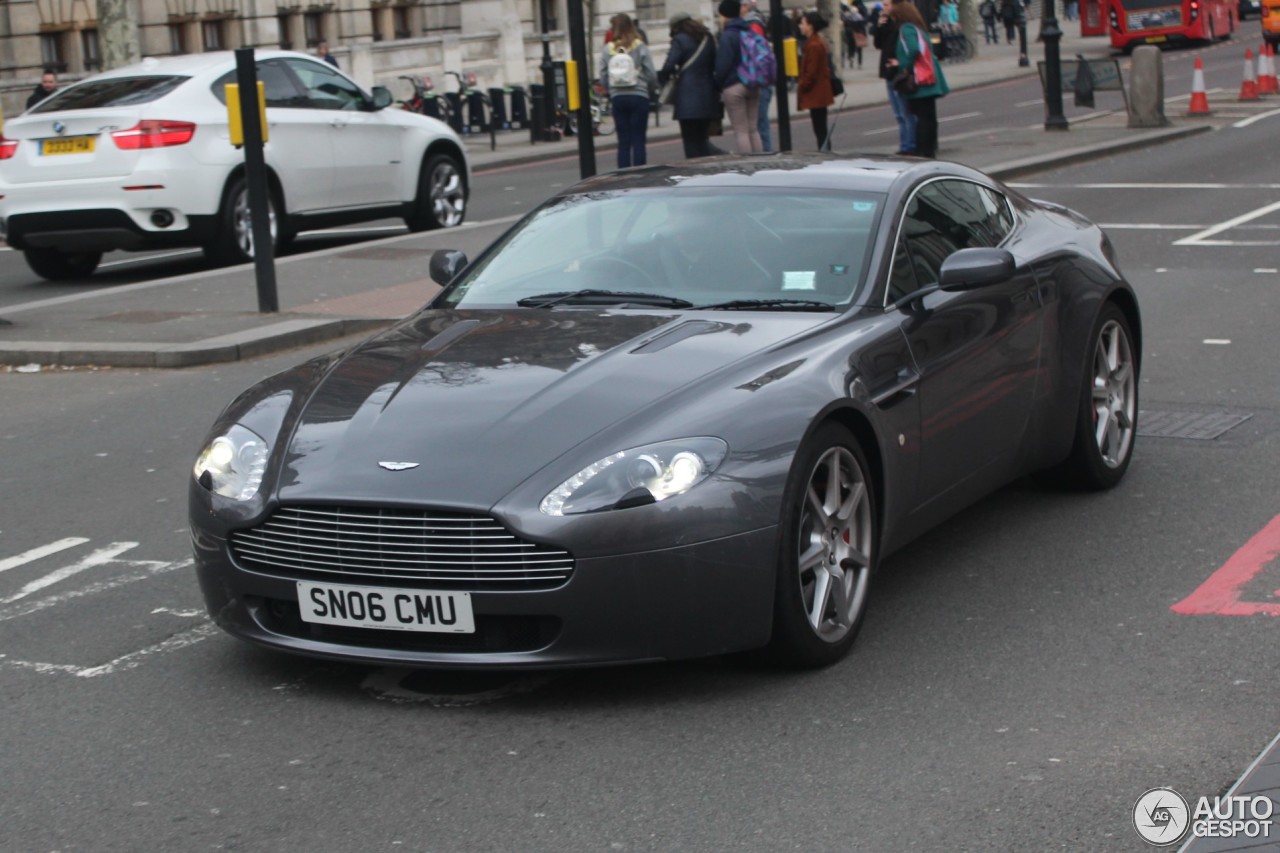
(693, 58)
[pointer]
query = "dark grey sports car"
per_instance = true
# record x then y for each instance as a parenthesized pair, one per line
(675, 411)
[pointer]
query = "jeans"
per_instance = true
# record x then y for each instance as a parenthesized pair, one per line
(631, 118)
(766, 138)
(990, 31)
(906, 120)
(743, 106)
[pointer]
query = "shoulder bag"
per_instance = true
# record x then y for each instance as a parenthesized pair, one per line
(667, 95)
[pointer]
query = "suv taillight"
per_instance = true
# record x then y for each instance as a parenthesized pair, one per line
(154, 133)
(8, 147)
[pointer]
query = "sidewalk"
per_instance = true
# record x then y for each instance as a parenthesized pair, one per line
(210, 316)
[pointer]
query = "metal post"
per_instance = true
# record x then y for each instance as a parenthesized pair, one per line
(780, 85)
(1022, 42)
(1052, 35)
(255, 174)
(548, 105)
(578, 53)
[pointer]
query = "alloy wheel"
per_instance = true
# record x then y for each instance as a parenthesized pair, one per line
(448, 195)
(1113, 394)
(835, 544)
(242, 222)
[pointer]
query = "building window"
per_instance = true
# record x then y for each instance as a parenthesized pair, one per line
(286, 35)
(211, 34)
(375, 15)
(651, 10)
(400, 22)
(53, 53)
(90, 50)
(177, 39)
(442, 16)
(313, 27)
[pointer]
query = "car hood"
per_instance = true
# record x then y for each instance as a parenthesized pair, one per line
(478, 401)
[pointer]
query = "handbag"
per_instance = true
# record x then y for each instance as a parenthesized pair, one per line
(667, 94)
(904, 82)
(837, 84)
(923, 65)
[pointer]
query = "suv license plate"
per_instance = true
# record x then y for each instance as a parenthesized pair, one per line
(70, 145)
(386, 609)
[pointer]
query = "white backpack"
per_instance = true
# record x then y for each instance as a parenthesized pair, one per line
(622, 70)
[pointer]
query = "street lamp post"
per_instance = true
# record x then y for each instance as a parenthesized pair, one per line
(1052, 35)
(548, 106)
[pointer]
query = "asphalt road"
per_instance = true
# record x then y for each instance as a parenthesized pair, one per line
(1022, 677)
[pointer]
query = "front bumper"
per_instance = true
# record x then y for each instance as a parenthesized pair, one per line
(689, 601)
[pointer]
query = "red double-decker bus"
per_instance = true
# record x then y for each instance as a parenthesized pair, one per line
(1135, 22)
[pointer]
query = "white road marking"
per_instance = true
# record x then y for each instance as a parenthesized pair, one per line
(41, 552)
(1145, 226)
(1217, 341)
(1036, 103)
(120, 664)
(1259, 117)
(1201, 238)
(1266, 270)
(958, 117)
(99, 557)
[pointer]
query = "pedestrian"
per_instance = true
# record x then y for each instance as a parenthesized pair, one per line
(741, 102)
(855, 28)
(692, 61)
(1009, 11)
(886, 40)
(630, 81)
(322, 50)
(47, 86)
(913, 41)
(813, 91)
(750, 13)
(987, 11)
(1072, 9)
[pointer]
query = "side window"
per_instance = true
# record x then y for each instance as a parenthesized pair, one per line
(326, 89)
(280, 88)
(943, 217)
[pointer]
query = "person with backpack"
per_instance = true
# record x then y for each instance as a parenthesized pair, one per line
(750, 12)
(744, 64)
(913, 41)
(630, 80)
(987, 11)
(813, 91)
(1010, 10)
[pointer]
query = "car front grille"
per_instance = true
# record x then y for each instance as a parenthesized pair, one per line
(446, 549)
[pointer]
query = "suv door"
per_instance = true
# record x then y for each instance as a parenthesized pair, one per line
(367, 148)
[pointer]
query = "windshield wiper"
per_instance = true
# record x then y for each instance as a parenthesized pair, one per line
(781, 304)
(601, 297)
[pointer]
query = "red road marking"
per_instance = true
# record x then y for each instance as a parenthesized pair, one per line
(1221, 592)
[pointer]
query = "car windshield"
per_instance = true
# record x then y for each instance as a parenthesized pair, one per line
(768, 249)
(113, 92)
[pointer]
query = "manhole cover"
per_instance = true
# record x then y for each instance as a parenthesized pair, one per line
(1204, 426)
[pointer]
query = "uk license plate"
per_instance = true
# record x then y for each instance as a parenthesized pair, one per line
(69, 145)
(386, 609)
(1156, 39)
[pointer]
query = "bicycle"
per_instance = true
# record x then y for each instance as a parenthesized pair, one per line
(426, 101)
(601, 112)
(467, 89)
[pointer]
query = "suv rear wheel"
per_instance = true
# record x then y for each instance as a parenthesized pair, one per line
(57, 265)
(234, 241)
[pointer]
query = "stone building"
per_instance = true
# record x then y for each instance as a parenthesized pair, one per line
(375, 41)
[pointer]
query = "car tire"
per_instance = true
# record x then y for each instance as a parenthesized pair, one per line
(441, 201)
(233, 243)
(56, 265)
(828, 550)
(1107, 415)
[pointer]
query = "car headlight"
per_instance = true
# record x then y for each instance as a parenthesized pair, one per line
(638, 476)
(232, 464)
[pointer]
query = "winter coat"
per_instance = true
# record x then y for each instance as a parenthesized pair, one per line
(908, 50)
(886, 40)
(1011, 11)
(813, 91)
(38, 95)
(646, 77)
(695, 90)
(987, 10)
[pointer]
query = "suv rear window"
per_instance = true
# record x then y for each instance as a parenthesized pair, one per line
(115, 92)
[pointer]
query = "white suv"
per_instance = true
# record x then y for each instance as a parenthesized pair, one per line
(140, 158)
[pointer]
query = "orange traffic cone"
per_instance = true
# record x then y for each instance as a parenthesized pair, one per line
(1267, 84)
(1199, 105)
(1249, 88)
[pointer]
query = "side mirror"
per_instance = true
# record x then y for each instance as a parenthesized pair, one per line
(968, 269)
(382, 98)
(446, 264)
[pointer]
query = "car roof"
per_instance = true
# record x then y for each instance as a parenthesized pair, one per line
(867, 173)
(190, 64)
